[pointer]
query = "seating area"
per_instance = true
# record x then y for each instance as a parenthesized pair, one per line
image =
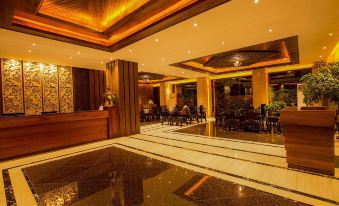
(248, 119)
(186, 115)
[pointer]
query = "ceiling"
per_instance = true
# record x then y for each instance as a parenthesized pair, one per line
(233, 25)
(274, 53)
(153, 78)
(102, 24)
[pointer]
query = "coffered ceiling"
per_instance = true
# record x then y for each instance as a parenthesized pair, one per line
(102, 24)
(230, 26)
(269, 54)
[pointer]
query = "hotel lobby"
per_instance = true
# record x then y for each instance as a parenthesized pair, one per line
(172, 102)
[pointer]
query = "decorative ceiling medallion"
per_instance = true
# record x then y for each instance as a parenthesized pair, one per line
(275, 53)
(103, 24)
(153, 78)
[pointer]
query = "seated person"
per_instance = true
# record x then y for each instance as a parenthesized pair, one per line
(202, 112)
(185, 111)
(176, 109)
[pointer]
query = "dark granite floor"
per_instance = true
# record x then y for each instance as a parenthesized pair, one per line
(211, 130)
(116, 177)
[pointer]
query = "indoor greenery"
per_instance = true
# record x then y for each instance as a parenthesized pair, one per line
(322, 83)
(275, 106)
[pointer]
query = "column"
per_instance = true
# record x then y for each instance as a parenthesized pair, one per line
(204, 94)
(260, 86)
(122, 79)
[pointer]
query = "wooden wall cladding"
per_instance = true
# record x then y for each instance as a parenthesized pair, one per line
(12, 92)
(89, 89)
(145, 93)
(65, 89)
(50, 85)
(30, 134)
(32, 88)
(122, 79)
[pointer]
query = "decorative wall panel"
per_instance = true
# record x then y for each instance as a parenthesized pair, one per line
(65, 89)
(12, 89)
(32, 87)
(50, 88)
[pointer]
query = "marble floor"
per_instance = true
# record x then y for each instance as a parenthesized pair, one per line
(164, 166)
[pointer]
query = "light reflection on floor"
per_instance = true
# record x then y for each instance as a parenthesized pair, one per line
(211, 130)
(114, 176)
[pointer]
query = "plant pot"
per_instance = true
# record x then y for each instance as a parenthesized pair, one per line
(309, 139)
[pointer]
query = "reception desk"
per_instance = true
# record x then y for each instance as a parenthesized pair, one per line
(22, 135)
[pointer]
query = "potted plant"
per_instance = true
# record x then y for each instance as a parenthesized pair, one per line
(309, 134)
(322, 84)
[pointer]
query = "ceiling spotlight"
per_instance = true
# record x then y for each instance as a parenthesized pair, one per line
(321, 56)
(130, 51)
(256, 1)
(101, 62)
(237, 63)
(111, 58)
(29, 51)
(195, 24)
(71, 57)
(183, 72)
(156, 40)
(330, 34)
(188, 52)
(33, 44)
(270, 30)
(163, 59)
(222, 42)
(142, 64)
(324, 48)
(78, 53)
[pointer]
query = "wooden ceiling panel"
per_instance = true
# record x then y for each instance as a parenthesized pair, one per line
(105, 24)
(279, 52)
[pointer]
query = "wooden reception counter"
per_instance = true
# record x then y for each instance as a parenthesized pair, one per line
(22, 135)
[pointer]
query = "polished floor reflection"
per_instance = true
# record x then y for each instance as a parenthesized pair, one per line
(210, 129)
(114, 176)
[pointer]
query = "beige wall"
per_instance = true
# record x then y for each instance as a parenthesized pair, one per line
(204, 94)
(167, 96)
(260, 87)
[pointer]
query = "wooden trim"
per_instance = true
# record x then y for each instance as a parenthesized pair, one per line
(127, 98)
(31, 134)
(133, 101)
(122, 103)
(136, 99)
(1, 100)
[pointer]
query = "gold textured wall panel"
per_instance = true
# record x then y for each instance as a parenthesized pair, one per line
(50, 88)
(65, 89)
(12, 89)
(32, 87)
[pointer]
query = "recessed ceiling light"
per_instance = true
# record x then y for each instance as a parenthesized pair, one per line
(71, 57)
(142, 64)
(222, 42)
(101, 62)
(33, 44)
(321, 56)
(183, 72)
(324, 48)
(163, 59)
(111, 58)
(188, 52)
(330, 34)
(256, 1)
(156, 40)
(195, 24)
(270, 30)
(29, 51)
(130, 51)
(78, 53)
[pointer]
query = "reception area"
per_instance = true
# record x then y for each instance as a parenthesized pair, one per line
(176, 102)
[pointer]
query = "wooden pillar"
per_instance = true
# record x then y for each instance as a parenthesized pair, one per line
(260, 87)
(204, 94)
(122, 79)
(165, 91)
